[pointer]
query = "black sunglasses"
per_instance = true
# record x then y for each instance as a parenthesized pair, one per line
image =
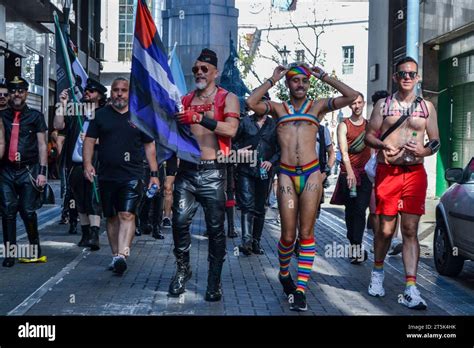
(406, 74)
(4, 94)
(203, 68)
(90, 90)
(19, 90)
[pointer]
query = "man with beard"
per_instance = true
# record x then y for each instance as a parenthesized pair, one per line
(353, 182)
(401, 180)
(213, 116)
(85, 195)
(300, 179)
(23, 172)
(120, 169)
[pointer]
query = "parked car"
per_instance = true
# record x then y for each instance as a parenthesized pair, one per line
(454, 234)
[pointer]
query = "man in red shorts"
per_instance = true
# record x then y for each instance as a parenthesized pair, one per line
(401, 180)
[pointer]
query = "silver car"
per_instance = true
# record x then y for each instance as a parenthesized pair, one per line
(454, 235)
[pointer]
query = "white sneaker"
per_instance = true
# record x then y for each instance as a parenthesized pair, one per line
(412, 298)
(376, 284)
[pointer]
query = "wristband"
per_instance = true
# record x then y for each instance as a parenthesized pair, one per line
(154, 174)
(272, 83)
(209, 123)
(434, 145)
(43, 170)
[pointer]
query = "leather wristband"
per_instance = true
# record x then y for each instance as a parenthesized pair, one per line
(154, 174)
(208, 123)
(272, 83)
(43, 170)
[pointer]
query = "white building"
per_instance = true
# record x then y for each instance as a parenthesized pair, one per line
(118, 23)
(343, 44)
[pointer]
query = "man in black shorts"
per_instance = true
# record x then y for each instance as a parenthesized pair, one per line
(120, 169)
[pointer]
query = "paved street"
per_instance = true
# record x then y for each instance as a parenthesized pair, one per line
(75, 281)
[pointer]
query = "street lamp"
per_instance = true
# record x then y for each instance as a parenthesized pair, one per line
(284, 55)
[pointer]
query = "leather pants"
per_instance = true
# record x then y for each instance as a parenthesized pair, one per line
(252, 194)
(18, 194)
(205, 187)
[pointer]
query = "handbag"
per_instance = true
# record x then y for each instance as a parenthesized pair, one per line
(371, 166)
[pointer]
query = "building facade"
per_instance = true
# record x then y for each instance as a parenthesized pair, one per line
(27, 44)
(446, 66)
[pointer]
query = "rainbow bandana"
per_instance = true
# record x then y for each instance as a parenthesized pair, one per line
(298, 70)
(299, 174)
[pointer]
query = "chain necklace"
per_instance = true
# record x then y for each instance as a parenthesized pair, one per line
(204, 96)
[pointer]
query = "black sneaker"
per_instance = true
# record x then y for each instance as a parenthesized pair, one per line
(298, 302)
(166, 222)
(120, 265)
(289, 286)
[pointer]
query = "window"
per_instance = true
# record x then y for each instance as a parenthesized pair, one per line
(348, 60)
(299, 55)
(284, 5)
(126, 20)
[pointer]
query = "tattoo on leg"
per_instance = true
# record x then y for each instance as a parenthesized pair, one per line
(311, 187)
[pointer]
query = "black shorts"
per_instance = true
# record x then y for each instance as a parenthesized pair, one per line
(171, 166)
(120, 196)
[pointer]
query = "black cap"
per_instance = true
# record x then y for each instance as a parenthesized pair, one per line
(96, 86)
(17, 82)
(208, 56)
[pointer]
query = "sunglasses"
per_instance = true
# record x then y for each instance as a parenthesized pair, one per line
(4, 94)
(90, 90)
(406, 74)
(19, 91)
(203, 68)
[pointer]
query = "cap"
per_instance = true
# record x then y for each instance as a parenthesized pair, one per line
(96, 86)
(17, 82)
(208, 56)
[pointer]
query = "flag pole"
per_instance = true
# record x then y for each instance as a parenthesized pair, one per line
(71, 84)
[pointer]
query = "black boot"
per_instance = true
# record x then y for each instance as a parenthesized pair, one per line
(31, 226)
(72, 226)
(182, 275)
(214, 290)
(86, 231)
(258, 223)
(157, 232)
(230, 222)
(9, 235)
(246, 224)
(93, 241)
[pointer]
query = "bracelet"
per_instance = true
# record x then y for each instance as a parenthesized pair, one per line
(272, 83)
(43, 170)
(208, 123)
(154, 174)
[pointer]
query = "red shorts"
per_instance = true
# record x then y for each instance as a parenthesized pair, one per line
(400, 189)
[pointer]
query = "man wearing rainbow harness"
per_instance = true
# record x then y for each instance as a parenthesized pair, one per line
(300, 181)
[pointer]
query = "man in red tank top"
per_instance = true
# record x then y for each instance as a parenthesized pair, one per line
(212, 114)
(353, 181)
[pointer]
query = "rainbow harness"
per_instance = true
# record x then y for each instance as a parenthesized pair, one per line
(300, 115)
(299, 174)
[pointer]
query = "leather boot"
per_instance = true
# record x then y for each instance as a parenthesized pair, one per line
(230, 222)
(214, 290)
(9, 235)
(72, 226)
(246, 224)
(31, 226)
(157, 232)
(86, 231)
(182, 275)
(93, 241)
(258, 223)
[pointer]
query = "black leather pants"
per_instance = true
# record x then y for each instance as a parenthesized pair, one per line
(206, 187)
(17, 194)
(152, 208)
(252, 194)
